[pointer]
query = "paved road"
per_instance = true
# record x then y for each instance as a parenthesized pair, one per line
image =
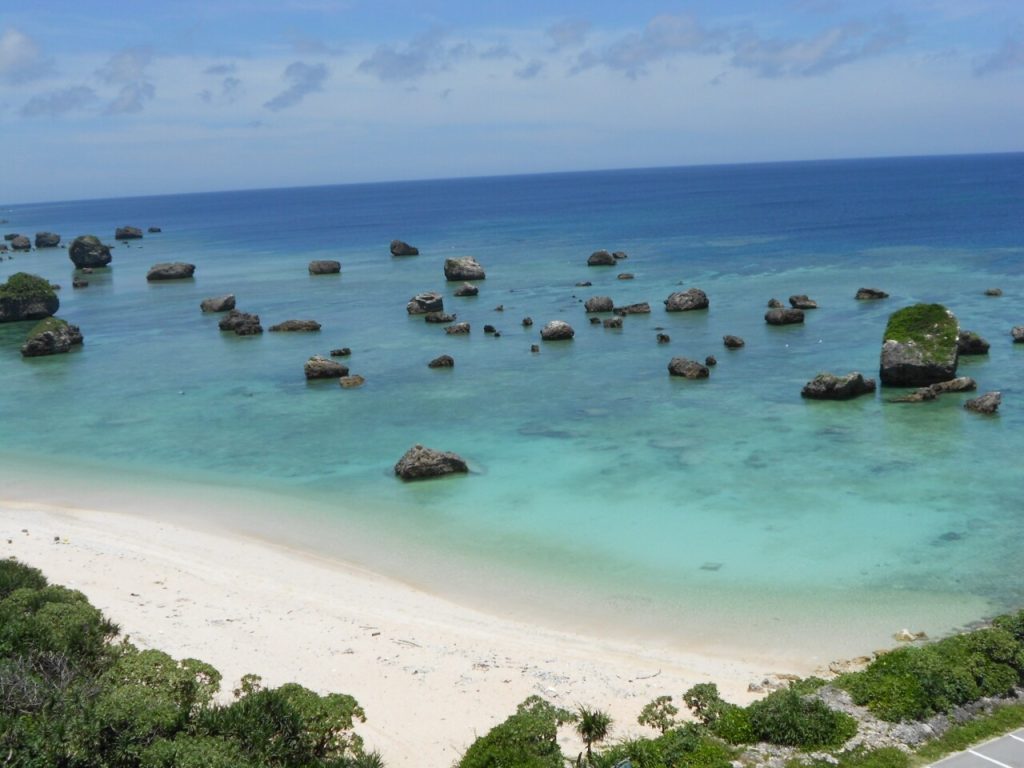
(1005, 752)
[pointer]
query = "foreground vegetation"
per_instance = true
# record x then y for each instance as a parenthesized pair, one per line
(72, 696)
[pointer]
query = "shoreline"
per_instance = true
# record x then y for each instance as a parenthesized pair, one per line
(431, 674)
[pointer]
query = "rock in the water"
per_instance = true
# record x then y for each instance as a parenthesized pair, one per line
(869, 294)
(351, 382)
(439, 317)
(828, 386)
(444, 361)
(599, 304)
(993, 291)
(733, 342)
(324, 267)
(490, 329)
(611, 322)
(783, 316)
(127, 233)
(527, 322)
(242, 323)
(177, 270)
(620, 255)
(596, 320)
(641, 308)
(47, 239)
(218, 303)
(427, 301)
(959, 384)
(21, 243)
(663, 338)
(26, 297)
(919, 347)
(464, 268)
(402, 248)
(685, 301)
(987, 403)
(458, 329)
(601, 259)
(584, 284)
(1017, 332)
(970, 343)
(710, 361)
(155, 230)
(296, 325)
(688, 369)
(802, 301)
(775, 304)
(341, 352)
(52, 336)
(318, 367)
(79, 283)
(557, 330)
(87, 252)
(419, 463)
(467, 289)
(10, 236)
(626, 276)
(535, 347)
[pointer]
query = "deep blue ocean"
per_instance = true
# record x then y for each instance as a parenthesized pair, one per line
(727, 511)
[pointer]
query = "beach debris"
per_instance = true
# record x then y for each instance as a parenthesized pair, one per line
(292, 326)
(318, 367)
(341, 352)
(218, 303)
(987, 403)
(51, 336)
(599, 304)
(557, 330)
(870, 294)
(733, 342)
(177, 270)
(906, 636)
(467, 289)
(802, 301)
(783, 316)
(640, 308)
(127, 233)
(601, 259)
(419, 463)
(687, 369)
(424, 302)
(919, 347)
(47, 239)
(686, 301)
(828, 386)
(443, 361)
(402, 248)
(457, 329)
(993, 291)
(242, 323)
(970, 343)
(324, 267)
(351, 382)
(463, 268)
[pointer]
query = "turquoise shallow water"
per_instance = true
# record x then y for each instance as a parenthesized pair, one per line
(728, 511)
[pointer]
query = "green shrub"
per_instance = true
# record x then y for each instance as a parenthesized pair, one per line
(53, 619)
(22, 285)
(15, 575)
(785, 717)
(733, 725)
(705, 702)
(527, 739)
(683, 747)
(660, 713)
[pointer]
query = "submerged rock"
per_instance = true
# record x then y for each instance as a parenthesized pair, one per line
(686, 301)
(601, 259)
(784, 316)
(419, 463)
(242, 323)
(155, 230)
(599, 304)
(177, 270)
(47, 239)
(52, 336)
(296, 325)
(427, 301)
(920, 347)
(970, 343)
(351, 382)
(318, 367)
(443, 361)
(324, 267)
(828, 386)
(402, 248)
(464, 268)
(993, 291)
(870, 294)
(687, 369)
(557, 330)
(218, 303)
(87, 252)
(987, 403)
(127, 233)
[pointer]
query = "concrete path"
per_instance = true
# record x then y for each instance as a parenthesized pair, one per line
(1005, 752)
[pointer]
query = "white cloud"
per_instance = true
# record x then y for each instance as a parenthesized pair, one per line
(21, 59)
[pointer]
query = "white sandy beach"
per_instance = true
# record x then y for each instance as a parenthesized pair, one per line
(431, 674)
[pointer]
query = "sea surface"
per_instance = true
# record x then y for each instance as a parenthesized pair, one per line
(727, 513)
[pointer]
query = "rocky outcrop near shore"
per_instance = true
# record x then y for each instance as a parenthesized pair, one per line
(601, 259)
(324, 267)
(419, 463)
(687, 369)
(828, 386)
(318, 367)
(784, 316)
(557, 330)
(26, 297)
(402, 248)
(293, 326)
(218, 303)
(427, 301)
(599, 304)
(87, 252)
(177, 270)
(127, 233)
(987, 403)
(47, 239)
(242, 323)
(919, 347)
(686, 301)
(52, 336)
(463, 268)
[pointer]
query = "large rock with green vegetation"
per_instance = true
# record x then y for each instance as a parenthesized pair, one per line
(26, 297)
(920, 347)
(88, 251)
(51, 336)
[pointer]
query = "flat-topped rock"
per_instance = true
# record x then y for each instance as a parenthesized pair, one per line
(242, 323)
(784, 316)
(87, 252)
(319, 367)
(419, 463)
(341, 352)
(601, 259)
(52, 336)
(127, 233)
(402, 248)
(557, 330)
(687, 369)
(828, 386)
(686, 301)
(177, 270)
(599, 304)
(439, 317)
(292, 326)
(352, 381)
(324, 267)
(427, 301)
(27, 297)
(802, 301)
(47, 239)
(463, 268)
(870, 294)
(919, 347)
(640, 308)
(218, 303)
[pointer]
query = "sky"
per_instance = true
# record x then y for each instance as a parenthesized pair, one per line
(104, 98)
